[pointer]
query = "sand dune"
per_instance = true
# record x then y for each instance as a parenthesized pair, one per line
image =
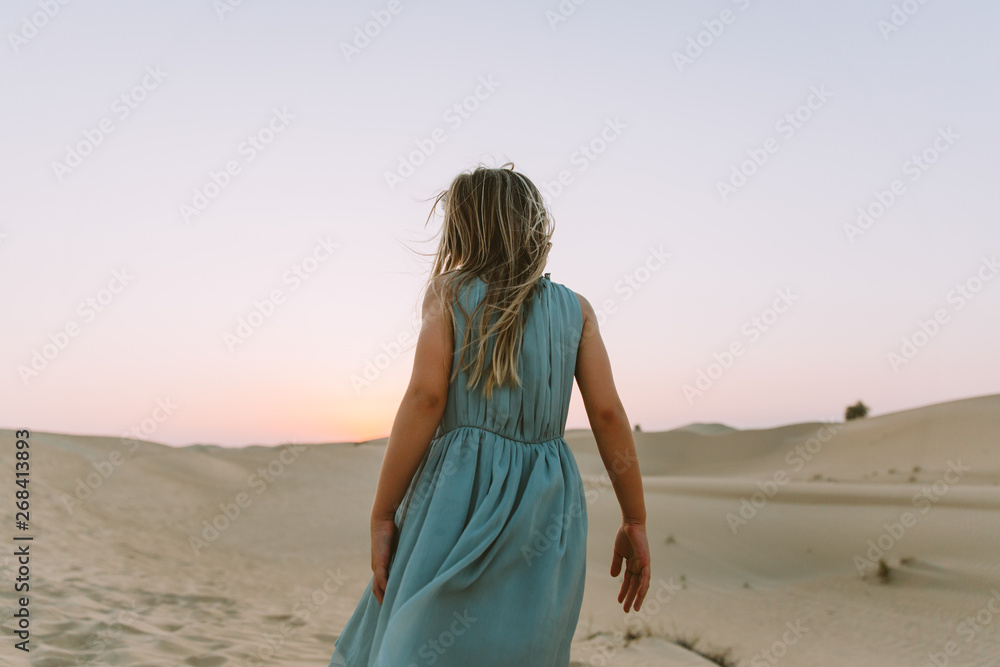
(765, 543)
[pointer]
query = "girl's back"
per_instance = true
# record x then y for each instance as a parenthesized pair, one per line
(535, 411)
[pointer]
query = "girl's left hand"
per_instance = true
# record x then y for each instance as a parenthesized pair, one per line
(384, 536)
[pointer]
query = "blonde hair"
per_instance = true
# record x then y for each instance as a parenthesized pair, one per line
(496, 227)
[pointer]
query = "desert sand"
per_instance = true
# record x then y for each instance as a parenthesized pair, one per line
(765, 544)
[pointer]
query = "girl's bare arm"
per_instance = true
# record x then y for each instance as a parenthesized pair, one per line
(614, 441)
(608, 419)
(420, 410)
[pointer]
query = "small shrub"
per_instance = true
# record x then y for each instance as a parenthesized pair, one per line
(857, 411)
(720, 658)
(632, 634)
(884, 572)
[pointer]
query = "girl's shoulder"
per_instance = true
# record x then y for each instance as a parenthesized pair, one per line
(574, 300)
(547, 279)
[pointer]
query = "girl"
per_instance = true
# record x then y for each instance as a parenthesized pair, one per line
(479, 525)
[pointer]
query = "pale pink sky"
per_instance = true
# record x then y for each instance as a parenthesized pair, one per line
(823, 108)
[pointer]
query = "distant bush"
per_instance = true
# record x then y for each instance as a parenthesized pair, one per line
(638, 429)
(884, 572)
(857, 411)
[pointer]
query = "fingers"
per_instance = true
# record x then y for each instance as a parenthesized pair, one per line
(384, 536)
(379, 582)
(625, 585)
(635, 582)
(380, 574)
(643, 587)
(633, 588)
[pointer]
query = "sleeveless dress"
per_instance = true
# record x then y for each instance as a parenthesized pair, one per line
(490, 562)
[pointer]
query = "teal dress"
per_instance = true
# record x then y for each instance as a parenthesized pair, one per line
(490, 562)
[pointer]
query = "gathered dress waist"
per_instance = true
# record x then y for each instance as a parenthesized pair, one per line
(541, 441)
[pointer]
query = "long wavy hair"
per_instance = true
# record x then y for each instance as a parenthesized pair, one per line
(496, 227)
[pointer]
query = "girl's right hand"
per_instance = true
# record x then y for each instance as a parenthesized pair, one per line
(632, 546)
(384, 536)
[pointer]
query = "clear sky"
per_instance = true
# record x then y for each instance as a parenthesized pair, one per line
(170, 169)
